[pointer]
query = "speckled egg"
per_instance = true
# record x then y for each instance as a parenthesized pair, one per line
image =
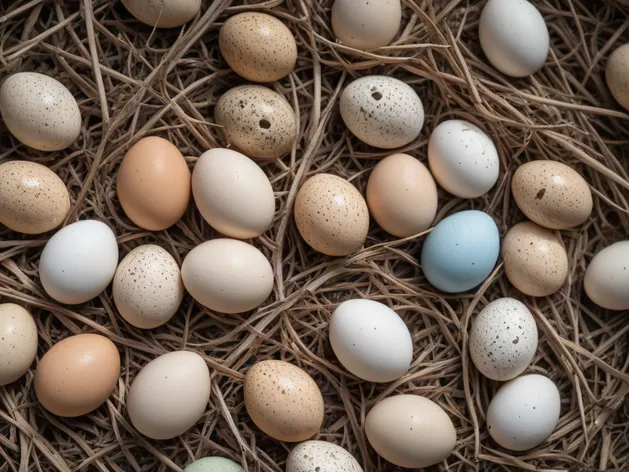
(321, 456)
(283, 401)
(331, 215)
(503, 339)
(606, 279)
(33, 199)
(535, 260)
(40, 111)
(617, 75)
(258, 46)
(213, 464)
(552, 194)
(366, 24)
(257, 120)
(18, 342)
(163, 13)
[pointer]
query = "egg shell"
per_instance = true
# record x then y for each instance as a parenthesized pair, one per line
(514, 37)
(410, 431)
(331, 215)
(535, 260)
(258, 46)
(321, 456)
(524, 412)
(147, 287)
(283, 401)
(463, 159)
(33, 199)
(461, 251)
(257, 120)
(182, 379)
(371, 340)
(617, 75)
(402, 195)
(503, 339)
(607, 277)
(227, 275)
(366, 24)
(382, 111)
(233, 194)
(18, 342)
(79, 262)
(213, 464)
(77, 375)
(163, 13)
(40, 111)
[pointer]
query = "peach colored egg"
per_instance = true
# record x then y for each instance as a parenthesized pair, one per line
(18, 342)
(163, 13)
(617, 75)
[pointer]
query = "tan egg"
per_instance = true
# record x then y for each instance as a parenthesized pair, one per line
(33, 199)
(163, 13)
(257, 120)
(331, 215)
(258, 47)
(552, 194)
(18, 342)
(402, 195)
(283, 401)
(535, 261)
(617, 75)
(154, 184)
(77, 375)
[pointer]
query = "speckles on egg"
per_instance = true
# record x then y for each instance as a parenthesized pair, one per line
(18, 342)
(163, 13)
(321, 456)
(617, 75)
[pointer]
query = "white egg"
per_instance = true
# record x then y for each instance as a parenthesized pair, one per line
(366, 24)
(371, 340)
(524, 412)
(79, 261)
(321, 456)
(503, 339)
(607, 277)
(463, 159)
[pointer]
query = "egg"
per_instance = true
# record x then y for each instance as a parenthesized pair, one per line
(77, 375)
(147, 287)
(283, 401)
(258, 46)
(503, 339)
(514, 37)
(331, 215)
(40, 111)
(33, 199)
(18, 342)
(617, 75)
(163, 13)
(463, 159)
(233, 194)
(607, 277)
(371, 340)
(366, 24)
(169, 395)
(524, 412)
(402, 195)
(78, 262)
(382, 111)
(461, 251)
(227, 275)
(410, 431)
(535, 260)
(257, 120)
(213, 464)
(321, 456)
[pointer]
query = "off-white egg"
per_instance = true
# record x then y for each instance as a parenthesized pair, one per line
(321, 456)
(366, 24)
(213, 464)
(617, 75)
(163, 13)
(18, 342)
(606, 279)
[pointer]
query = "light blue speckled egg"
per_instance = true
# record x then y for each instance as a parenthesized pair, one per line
(213, 464)
(461, 251)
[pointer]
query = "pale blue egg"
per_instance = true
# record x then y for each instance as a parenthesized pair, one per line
(213, 464)
(461, 251)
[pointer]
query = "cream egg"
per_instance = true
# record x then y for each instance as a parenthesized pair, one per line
(321, 456)
(366, 24)
(163, 13)
(213, 464)
(607, 277)
(617, 75)
(18, 342)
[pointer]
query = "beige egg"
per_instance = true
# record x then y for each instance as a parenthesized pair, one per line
(257, 120)
(258, 47)
(18, 342)
(535, 261)
(617, 75)
(607, 277)
(283, 401)
(552, 194)
(331, 215)
(366, 24)
(163, 13)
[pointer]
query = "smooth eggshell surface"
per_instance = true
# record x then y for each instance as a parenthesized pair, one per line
(366, 24)
(617, 75)
(163, 13)
(410, 431)
(33, 199)
(283, 401)
(524, 412)
(331, 215)
(382, 111)
(169, 395)
(77, 375)
(321, 456)
(40, 111)
(18, 342)
(607, 277)
(213, 464)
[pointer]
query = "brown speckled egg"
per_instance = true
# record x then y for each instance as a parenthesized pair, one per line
(321, 456)
(257, 120)
(331, 215)
(552, 194)
(535, 261)
(283, 401)
(617, 75)
(33, 199)
(258, 47)
(163, 13)
(18, 342)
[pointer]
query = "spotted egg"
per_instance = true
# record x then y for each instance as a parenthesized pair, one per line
(18, 342)
(321, 456)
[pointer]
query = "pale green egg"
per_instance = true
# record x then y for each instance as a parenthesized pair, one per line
(213, 464)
